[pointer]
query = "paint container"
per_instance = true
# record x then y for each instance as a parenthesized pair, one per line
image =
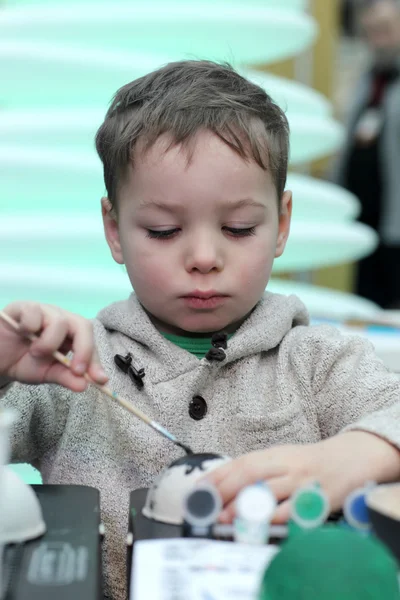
(355, 509)
(201, 509)
(255, 507)
(309, 507)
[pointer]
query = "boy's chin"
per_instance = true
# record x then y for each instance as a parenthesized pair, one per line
(187, 325)
(201, 324)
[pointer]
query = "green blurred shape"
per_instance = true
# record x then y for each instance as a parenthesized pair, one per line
(282, 4)
(60, 181)
(63, 76)
(240, 32)
(79, 290)
(311, 137)
(28, 473)
(331, 563)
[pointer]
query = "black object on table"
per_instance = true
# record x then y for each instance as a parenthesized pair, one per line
(65, 563)
(142, 528)
(387, 529)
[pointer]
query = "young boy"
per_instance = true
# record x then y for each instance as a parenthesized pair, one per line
(195, 160)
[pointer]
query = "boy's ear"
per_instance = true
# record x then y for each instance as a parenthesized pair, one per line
(285, 215)
(111, 230)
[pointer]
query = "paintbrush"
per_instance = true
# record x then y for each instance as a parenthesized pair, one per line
(103, 388)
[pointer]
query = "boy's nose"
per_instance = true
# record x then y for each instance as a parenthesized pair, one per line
(204, 258)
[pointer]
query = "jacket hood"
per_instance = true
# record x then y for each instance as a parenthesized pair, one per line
(271, 320)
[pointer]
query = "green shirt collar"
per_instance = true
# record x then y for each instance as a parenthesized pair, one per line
(198, 346)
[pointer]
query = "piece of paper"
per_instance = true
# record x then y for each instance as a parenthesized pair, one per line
(189, 569)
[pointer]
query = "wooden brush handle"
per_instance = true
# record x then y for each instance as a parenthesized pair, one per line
(67, 362)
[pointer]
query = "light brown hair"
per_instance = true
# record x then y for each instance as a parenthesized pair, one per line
(183, 98)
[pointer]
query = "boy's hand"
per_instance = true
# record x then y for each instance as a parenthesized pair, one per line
(339, 464)
(32, 362)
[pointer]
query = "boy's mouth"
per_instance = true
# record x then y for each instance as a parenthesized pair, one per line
(204, 299)
(206, 295)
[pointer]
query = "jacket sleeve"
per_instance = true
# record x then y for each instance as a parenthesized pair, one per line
(41, 415)
(352, 388)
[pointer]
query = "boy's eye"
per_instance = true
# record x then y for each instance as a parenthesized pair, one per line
(161, 235)
(240, 231)
(169, 233)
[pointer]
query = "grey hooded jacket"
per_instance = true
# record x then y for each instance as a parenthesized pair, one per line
(282, 381)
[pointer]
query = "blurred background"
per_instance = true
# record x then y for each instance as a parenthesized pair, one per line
(331, 64)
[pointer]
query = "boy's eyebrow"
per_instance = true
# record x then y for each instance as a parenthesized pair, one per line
(160, 205)
(170, 207)
(245, 202)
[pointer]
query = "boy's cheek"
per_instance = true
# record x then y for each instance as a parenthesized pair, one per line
(149, 277)
(255, 270)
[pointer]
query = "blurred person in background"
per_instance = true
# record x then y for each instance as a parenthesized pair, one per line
(347, 18)
(369, 164)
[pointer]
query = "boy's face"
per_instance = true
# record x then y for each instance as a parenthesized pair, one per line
(198, 239)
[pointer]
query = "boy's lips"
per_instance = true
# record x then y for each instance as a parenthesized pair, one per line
(204, 295)
(204, 299)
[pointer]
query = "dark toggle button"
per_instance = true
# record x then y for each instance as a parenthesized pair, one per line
(216, 354)
(219, 340)
(123, 362)
(136, 376)
(197, 408)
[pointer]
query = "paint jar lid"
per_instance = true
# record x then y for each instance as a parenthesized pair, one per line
(309, 506)
(355, 508)
(256, 503)
(202, 505)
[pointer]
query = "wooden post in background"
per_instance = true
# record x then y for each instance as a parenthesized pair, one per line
(325, 64)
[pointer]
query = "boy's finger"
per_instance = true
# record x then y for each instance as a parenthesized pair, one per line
(230, 486)
(51, 338)
(281, 516)
(96, 371)
(243, 467)
(282, 487)
(228, 514)
(81, 332)
(240, 474)
(65, 377)
(28, 315)
(219, 474)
